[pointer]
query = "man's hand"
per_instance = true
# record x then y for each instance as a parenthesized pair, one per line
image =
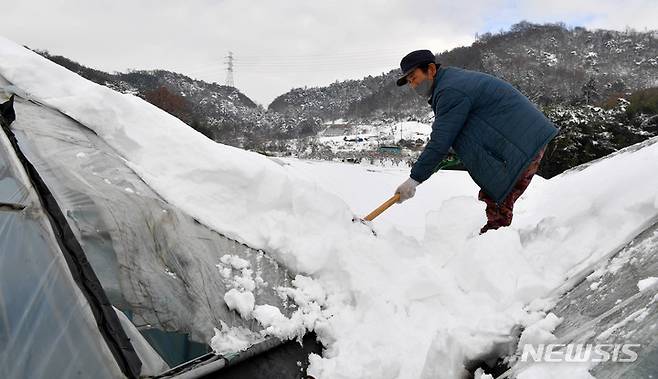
(407, 190)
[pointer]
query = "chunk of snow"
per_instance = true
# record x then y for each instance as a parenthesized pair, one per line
(234, 261)
(482, 375)
(647, 283)
(242, 302)
(541, 331)
(225, 272)
(267, 315)
(244, 280)
(232, 339)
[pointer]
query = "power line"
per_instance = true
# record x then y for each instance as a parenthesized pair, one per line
(319, 62)
(320, 55)
(310, 67)
(303, 69)
(309, 62)
(328, 58)
(345, 56)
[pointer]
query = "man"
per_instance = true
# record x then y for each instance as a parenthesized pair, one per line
(497, 133)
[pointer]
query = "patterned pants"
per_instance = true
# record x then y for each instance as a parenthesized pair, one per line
(499, 215)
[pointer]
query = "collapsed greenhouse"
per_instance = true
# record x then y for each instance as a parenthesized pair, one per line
(100, 276)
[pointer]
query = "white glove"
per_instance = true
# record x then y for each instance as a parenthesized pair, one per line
(407, 190)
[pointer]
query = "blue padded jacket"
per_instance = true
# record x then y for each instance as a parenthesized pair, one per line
(494, 129)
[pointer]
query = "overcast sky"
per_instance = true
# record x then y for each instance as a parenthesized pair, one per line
(283, 44)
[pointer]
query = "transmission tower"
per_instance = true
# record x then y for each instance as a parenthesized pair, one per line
(229, 69)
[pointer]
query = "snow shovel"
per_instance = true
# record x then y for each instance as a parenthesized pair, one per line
(379, 210)
(449, 161)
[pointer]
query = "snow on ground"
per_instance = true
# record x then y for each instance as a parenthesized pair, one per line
(364, 187)
(412, 302)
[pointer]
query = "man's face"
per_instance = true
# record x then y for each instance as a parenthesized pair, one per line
(417, 76)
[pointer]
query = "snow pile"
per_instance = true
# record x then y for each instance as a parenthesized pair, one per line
(228, 340)
(309, 297)
(240, 301)
(646, 283)
(241, 276)
(416, 300)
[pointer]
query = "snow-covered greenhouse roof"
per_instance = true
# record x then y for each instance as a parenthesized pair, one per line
(89, 247)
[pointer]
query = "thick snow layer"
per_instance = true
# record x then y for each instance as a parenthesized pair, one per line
(646, 283)
(412, 302)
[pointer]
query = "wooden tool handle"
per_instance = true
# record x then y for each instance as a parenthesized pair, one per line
(383, 207)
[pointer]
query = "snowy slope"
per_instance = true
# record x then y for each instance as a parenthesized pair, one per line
(412, 302)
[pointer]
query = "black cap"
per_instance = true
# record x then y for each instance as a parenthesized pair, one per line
(413, 60)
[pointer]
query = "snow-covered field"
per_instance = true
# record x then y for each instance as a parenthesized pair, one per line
(367, 137)
(413, 301)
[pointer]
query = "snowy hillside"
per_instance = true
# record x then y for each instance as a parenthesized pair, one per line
(550, 63)
(220, 112)
(416, 300)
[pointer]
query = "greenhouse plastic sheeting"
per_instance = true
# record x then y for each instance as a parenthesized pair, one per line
(156, 263)
(610, 307)
(47, 328)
